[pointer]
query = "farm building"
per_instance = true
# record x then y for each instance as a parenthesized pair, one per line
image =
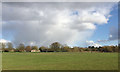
(11, 50)
(35, 50)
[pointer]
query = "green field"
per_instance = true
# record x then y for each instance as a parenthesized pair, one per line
(60, 61)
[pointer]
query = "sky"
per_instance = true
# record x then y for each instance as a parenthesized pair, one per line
(71, 23)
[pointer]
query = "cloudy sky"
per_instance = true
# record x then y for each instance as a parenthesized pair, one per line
(71, 23)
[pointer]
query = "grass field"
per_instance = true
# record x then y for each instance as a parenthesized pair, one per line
(60, 61)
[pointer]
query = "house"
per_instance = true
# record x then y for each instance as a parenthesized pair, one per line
(35, 50)
(11, 50)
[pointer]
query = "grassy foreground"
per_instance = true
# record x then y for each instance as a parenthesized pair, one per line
(60, 61)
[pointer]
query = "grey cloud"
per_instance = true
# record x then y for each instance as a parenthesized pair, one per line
(0, 19)
(29, 11)
(113, 33)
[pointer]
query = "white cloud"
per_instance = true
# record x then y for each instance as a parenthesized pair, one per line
(4, 41)
(44, 23)
(110, 36)
(92, 43)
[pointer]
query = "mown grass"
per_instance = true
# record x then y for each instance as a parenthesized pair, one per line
(60, 61)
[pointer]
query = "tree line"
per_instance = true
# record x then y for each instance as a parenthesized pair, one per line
(56, 47)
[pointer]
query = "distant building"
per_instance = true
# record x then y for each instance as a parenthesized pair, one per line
(11, 50)
(35, 50)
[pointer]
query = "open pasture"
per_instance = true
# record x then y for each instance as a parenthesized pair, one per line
(60, 61)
